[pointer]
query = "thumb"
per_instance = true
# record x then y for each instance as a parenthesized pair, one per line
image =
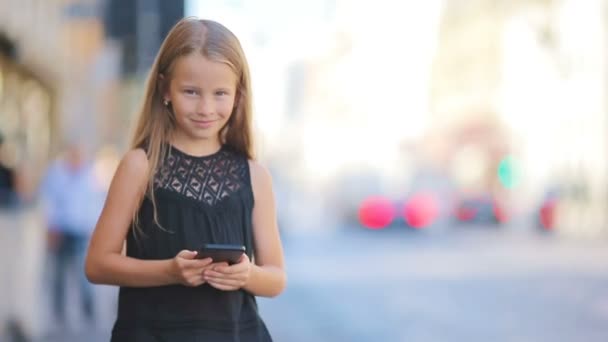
(244, 258)
(186, 254)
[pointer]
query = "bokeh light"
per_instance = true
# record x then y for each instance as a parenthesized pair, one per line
(376, 212)
(421, 210)
(508, 172)
(547, 214)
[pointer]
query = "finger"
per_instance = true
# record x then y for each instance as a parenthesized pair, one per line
(244, 259)
(216, 274)
(204, 262)
(224, 282)
(187, 254)
(220, 265)
(223, 287)
(238, 279)
(241, 266)
(197, 264)
(204, 269)
(196, 281)
(236, 268)
(215, 265)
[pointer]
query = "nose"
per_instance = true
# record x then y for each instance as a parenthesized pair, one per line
(205, 106)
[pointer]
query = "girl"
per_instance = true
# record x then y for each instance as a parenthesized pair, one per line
(190, 179)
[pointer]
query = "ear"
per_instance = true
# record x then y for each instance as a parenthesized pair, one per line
(237, 99)
(163, 87)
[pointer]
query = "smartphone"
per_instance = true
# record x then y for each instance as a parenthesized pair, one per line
(221, 252)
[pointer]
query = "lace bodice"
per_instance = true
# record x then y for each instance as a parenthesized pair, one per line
(207, 179)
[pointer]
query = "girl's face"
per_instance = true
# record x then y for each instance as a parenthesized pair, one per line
(202, 93)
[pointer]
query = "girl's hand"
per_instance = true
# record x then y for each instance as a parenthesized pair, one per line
(187, 270)
(229, 278)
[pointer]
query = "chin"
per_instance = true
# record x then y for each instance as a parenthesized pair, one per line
(202, 134)
(205, 136)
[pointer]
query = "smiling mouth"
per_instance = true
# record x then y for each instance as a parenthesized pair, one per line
(203, 123)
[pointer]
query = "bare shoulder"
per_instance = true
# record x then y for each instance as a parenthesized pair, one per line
(134, 166)
(135, 159)
(260, 176)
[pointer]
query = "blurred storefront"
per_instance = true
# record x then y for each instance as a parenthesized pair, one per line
(66, 75)
(76, 69)
(25, 116)
(533, 73)
(59, 45)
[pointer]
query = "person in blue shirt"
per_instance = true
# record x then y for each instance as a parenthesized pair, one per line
(72, 200)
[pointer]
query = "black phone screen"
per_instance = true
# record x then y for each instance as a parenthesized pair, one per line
(221, 252)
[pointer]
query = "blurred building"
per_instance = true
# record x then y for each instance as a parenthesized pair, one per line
(69, 69)
(25, 113)
(526, 79)
(470, 84)
(60, 45)
(67, 65)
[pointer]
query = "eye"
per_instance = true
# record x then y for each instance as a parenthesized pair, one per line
(221, 93)
(190, 92)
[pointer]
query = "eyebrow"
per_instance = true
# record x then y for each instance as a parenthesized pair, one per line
(186, 84)
(227, 89)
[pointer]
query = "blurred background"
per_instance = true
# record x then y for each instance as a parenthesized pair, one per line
(440, 167)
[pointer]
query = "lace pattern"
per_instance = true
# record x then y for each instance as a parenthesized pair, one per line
(209, 179)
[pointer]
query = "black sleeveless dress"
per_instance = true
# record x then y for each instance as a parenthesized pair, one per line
(199, 200)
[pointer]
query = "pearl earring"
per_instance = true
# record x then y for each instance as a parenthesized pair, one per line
(166, 102)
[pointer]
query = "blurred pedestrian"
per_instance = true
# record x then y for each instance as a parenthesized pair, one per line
(72, 200)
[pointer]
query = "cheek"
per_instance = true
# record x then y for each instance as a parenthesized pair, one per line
(226, 107)
(183, 106)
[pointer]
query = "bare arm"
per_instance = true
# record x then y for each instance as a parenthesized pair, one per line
(105, 264)
(267, 276)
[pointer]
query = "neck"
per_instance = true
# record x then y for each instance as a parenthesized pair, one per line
(198, 147)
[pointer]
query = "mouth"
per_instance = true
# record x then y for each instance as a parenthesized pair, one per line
(203, 123)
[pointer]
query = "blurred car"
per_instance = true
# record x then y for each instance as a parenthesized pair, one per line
(480, 209)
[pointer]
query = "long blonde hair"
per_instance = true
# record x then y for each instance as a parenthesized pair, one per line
(156, 122)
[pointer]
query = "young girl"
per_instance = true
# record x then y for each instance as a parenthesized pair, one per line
(190, 179)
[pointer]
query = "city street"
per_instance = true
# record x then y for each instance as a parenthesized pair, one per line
(465, 284)
(469, 137)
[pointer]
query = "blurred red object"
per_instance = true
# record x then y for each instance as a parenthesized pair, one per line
(465, 214)
(421, 210)
(547, 214)
(376, 212)
(499, 213)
